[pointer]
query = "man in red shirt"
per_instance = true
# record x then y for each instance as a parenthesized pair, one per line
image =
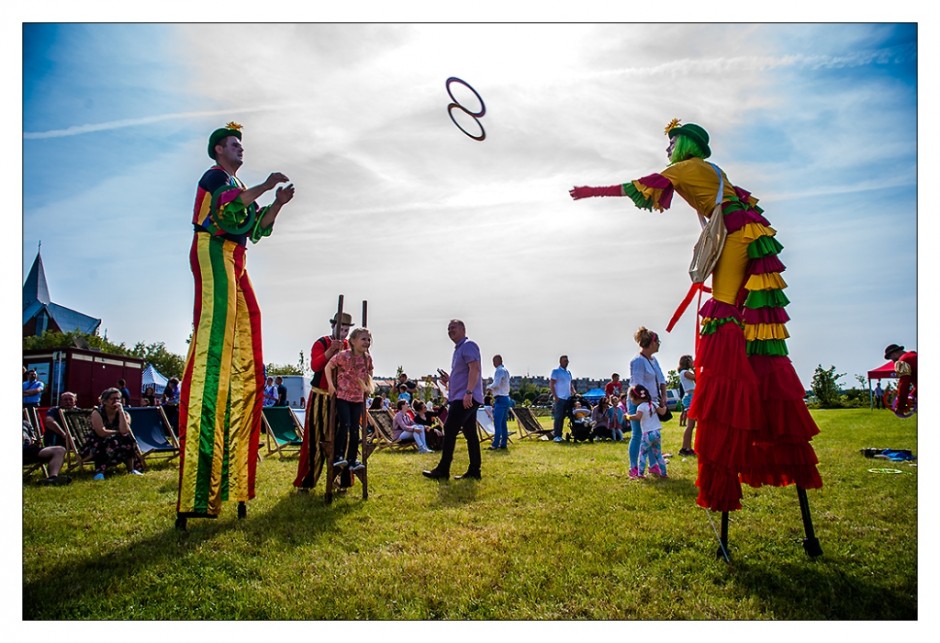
(905, 365)
(614, 386)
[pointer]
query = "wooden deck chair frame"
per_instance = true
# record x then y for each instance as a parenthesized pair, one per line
(484, 434)
(172, 418)
(32, 420)
(77, 425)
(278, 439)
(381, 421)
(172, 448)
(529, 425)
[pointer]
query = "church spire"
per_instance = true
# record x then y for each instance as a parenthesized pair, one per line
(35, 287)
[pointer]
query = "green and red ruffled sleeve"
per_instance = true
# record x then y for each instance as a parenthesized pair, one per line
(653, 192)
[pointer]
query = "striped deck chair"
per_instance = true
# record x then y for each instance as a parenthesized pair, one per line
(381, 422)
(529, 425)
(30, 425)
(153, 433)
(77, 425)
(282, 429)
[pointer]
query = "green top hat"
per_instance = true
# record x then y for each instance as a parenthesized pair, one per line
(231, 129)
(693, 131)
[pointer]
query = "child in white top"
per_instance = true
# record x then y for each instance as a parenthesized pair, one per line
(651, 446)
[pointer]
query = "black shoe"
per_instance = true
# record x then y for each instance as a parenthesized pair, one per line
(469, 475)
(434, 474)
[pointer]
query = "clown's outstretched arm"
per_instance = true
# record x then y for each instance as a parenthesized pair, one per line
(582, 192)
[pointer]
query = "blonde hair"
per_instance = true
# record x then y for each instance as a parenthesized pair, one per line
(644, 336)
(367, 385)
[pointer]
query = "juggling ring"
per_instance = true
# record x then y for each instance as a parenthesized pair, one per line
(885, 471)
(474, 115)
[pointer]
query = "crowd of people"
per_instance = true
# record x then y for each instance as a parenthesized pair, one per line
(743, 411)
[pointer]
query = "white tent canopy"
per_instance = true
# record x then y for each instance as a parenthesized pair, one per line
(152, 377)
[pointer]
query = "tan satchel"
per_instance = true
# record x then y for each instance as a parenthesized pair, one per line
(712, 240)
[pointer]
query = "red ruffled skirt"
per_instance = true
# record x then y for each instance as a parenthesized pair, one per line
(752, 423)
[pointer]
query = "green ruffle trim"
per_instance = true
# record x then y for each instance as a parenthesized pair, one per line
(712, 325)
(766, 299)
(637, 197)
(769, 347)
(257, 232)
(763, 246)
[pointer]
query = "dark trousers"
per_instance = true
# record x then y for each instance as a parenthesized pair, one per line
(460, 419)
(346, 438)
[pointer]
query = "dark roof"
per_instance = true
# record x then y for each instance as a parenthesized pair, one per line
(38, 304)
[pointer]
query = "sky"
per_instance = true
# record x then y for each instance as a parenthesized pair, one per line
(396, 206)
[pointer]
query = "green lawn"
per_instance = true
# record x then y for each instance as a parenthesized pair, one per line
(551, 532)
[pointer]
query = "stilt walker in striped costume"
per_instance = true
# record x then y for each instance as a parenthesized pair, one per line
(753, 425)
(221, 392)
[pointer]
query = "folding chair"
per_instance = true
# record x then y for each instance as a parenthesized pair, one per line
(77, 425)
(528, 424)
(282, 429)
(34, 435)
(486, 427)
(153, 432)
(172, 414)
(381, 421)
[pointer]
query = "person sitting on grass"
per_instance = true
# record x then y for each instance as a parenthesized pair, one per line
(54, 435)
(600, 420)
(404, 428)
(111, 442)
(616, 419)
(433, 436)
(52, 457)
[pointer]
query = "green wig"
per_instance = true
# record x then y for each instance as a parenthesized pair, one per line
(685, 149)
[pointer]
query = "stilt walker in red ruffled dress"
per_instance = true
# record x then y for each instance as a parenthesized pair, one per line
(753, 425)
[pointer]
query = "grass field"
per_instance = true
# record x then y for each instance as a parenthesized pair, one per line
(552, 532)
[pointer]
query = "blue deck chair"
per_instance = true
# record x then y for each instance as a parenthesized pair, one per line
(153, 432)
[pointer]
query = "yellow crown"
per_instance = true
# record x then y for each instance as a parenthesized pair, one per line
(237, 126)
(672, 125)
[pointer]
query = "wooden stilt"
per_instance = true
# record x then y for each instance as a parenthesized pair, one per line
(329, 436)
(364, 445)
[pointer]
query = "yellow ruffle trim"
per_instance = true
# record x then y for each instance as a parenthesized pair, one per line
(753, 230)
(653, 194)
(766, 281)
(765, 331)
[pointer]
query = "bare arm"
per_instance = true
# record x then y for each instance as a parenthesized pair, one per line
(51, 424)
(250, 195)
(472, 379)
(283, 195)
(328, 371)
(97, 425)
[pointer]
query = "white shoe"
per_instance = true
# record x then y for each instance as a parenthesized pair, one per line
(559, 439)
(426, 451)
(136, 472)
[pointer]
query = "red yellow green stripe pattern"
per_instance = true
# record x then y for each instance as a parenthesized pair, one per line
(220, 402)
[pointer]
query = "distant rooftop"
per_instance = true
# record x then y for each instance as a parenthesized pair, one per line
(40, 313)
